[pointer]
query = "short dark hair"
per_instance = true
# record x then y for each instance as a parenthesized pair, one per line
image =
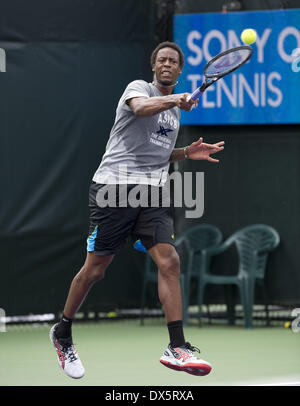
(168, 44)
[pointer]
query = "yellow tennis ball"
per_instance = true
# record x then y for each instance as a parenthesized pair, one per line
(287, 324)
(248, 36)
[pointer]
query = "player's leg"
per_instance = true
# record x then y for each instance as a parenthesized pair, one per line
(179, 354)
(156, 231)
(109, 228)
(92, 271)
(61, 334)
(169, 291)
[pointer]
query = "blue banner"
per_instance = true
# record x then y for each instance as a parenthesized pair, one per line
(266, 90)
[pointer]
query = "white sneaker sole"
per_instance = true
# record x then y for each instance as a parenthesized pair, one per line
(200, 369)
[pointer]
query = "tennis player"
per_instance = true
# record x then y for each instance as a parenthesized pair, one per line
(147, 114)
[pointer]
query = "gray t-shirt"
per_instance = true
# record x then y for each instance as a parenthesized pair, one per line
(139, 148)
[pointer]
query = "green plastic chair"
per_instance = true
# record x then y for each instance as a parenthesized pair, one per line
(190, 243)
(253, 243)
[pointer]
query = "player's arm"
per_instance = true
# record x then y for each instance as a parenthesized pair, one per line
(149, 106)
(178, 154)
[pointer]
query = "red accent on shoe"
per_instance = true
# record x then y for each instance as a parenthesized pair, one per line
(199, 370)
(61, 356)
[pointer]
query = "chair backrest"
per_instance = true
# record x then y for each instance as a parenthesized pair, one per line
(254, 243)
(203, 236)
(200, 237)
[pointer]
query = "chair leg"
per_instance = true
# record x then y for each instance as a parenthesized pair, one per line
(247, 295)
(143, 300)
(230, 304)
(208, 314)
(184, 300)
(187, 284)
(266, 302)
(201, 288)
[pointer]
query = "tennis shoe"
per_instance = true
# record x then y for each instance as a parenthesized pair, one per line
(183, 359)
(67, 355)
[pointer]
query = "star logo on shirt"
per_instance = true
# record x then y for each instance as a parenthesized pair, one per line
(163, 131)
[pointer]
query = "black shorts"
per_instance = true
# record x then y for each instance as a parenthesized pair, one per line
(110, 227)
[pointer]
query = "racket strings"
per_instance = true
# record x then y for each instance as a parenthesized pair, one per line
(227, 62)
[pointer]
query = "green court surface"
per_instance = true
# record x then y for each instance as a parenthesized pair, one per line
(123, 353)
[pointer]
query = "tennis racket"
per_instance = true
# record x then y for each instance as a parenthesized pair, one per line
(220, 66)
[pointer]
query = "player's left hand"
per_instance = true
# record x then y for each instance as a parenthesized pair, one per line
(199, 150)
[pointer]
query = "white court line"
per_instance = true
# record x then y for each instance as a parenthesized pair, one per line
(292, 380)
(250, 384)
(278, 384)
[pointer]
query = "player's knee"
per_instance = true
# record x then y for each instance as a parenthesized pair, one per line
(95, 270)
(91, 274)
(97, 273)
(170, 266)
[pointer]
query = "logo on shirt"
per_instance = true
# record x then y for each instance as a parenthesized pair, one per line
(167, 123)
(163, 131)
(168, 119)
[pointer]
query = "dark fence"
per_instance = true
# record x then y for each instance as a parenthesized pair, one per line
(67, 64)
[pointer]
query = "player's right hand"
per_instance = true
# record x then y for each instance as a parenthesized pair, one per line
(183, 104)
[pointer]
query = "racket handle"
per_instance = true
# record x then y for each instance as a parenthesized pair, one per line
(195, 95)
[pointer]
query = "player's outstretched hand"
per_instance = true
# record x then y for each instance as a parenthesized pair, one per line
(183, 104)
(200, 150)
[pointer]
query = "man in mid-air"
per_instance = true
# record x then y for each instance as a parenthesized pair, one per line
(134, 151)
